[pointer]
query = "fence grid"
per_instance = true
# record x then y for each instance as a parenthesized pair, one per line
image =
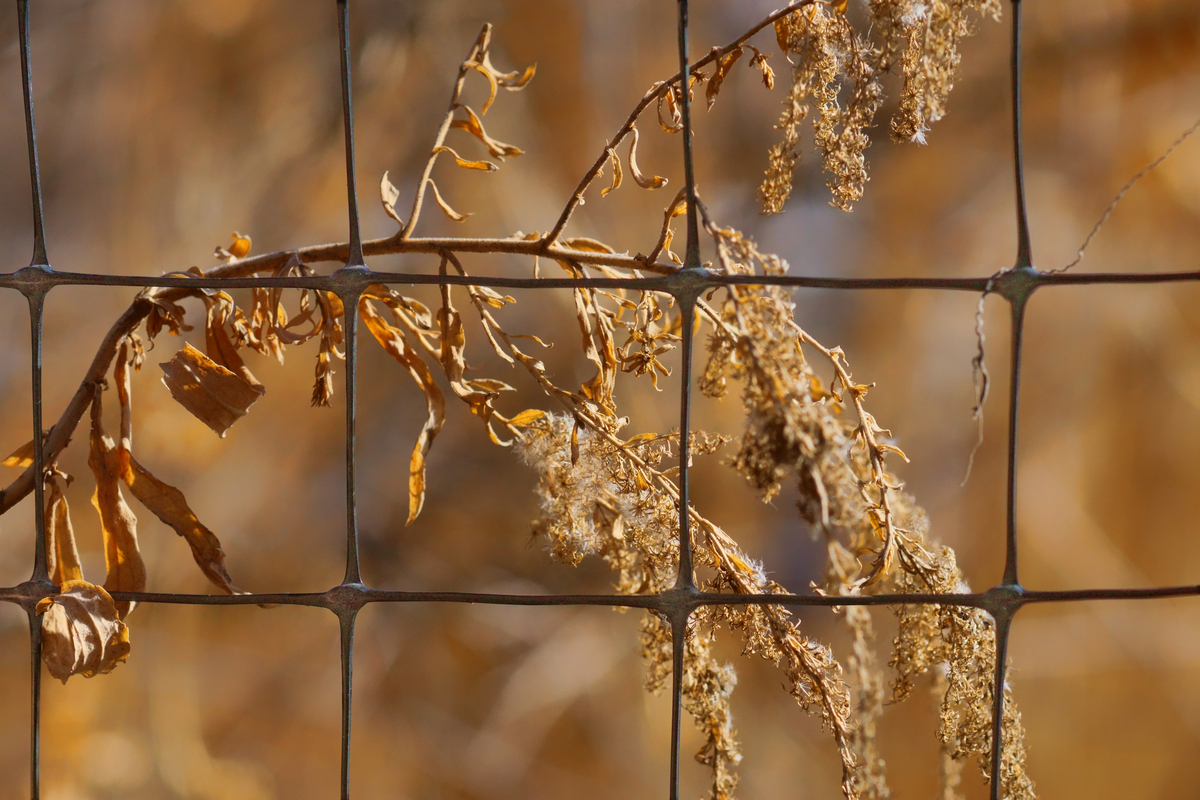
(1016, 285)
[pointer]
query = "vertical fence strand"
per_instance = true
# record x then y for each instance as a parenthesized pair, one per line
(355, 258)
(1014, 414)
(1003, 624)
(353, 567)
(1024, 251)
(35, 176)
(691, 256)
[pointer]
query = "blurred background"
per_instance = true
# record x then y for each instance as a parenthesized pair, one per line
(166, 124)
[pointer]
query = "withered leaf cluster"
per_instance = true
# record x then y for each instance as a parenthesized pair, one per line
(83, 628)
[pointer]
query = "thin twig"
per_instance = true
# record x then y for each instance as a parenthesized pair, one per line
(651, 96)
(481, 43)
(1146, 170)
(979, 376)
(668, 215)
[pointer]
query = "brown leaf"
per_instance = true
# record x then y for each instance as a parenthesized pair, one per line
(676, 123)
(454, 364)
(82, 633)
(394, 342)
(163, 313)
(210, 392)
(490, 385)
(62, 556)
(510, 81)
(759, 62)
(783, 32)
(169, 505)
(653, 182)
(531, 338)
(587, 245)
(241, 245)
(388, 195)
(527, 418)
(21, 457)
(444, 206)
(474, 126)
(492, 84)
(123, 560)
(486, 166)
(323, 381)
(724, 65)
(221, 348)
(616, 180)
(491, 297)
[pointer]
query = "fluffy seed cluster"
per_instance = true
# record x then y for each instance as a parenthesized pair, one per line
(806, 424)
(837, 70)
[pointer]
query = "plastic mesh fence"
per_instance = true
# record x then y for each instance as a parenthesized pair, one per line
(1015, 285)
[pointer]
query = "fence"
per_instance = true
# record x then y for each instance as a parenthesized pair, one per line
(1015, 285)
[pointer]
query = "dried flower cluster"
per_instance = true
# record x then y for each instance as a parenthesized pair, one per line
(603, 493)
(838, 70)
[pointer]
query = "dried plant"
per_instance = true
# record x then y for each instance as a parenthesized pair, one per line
(838, 70)
(602, 493)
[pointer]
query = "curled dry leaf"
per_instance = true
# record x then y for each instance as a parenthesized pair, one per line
(486, 166)
(241, 245)
(616, 166)
(169, 505)
(82, 633)
(220, 346)
(444, 206)
(724, 65)
(474, 126)
(396, 344)
(388, 195)
(675, 123)
(122, 558)
(209, 391)
(62, 556)
(482, 63)
(164, 313)
(759, 62)
(654, 181)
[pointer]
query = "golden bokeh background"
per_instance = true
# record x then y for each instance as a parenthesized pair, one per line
(166, 124)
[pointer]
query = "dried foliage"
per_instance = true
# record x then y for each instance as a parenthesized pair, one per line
(82, 633)
(603, 493)
(837, 70)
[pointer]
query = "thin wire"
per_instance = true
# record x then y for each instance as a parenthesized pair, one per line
(980, 377)
(1146, 170)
